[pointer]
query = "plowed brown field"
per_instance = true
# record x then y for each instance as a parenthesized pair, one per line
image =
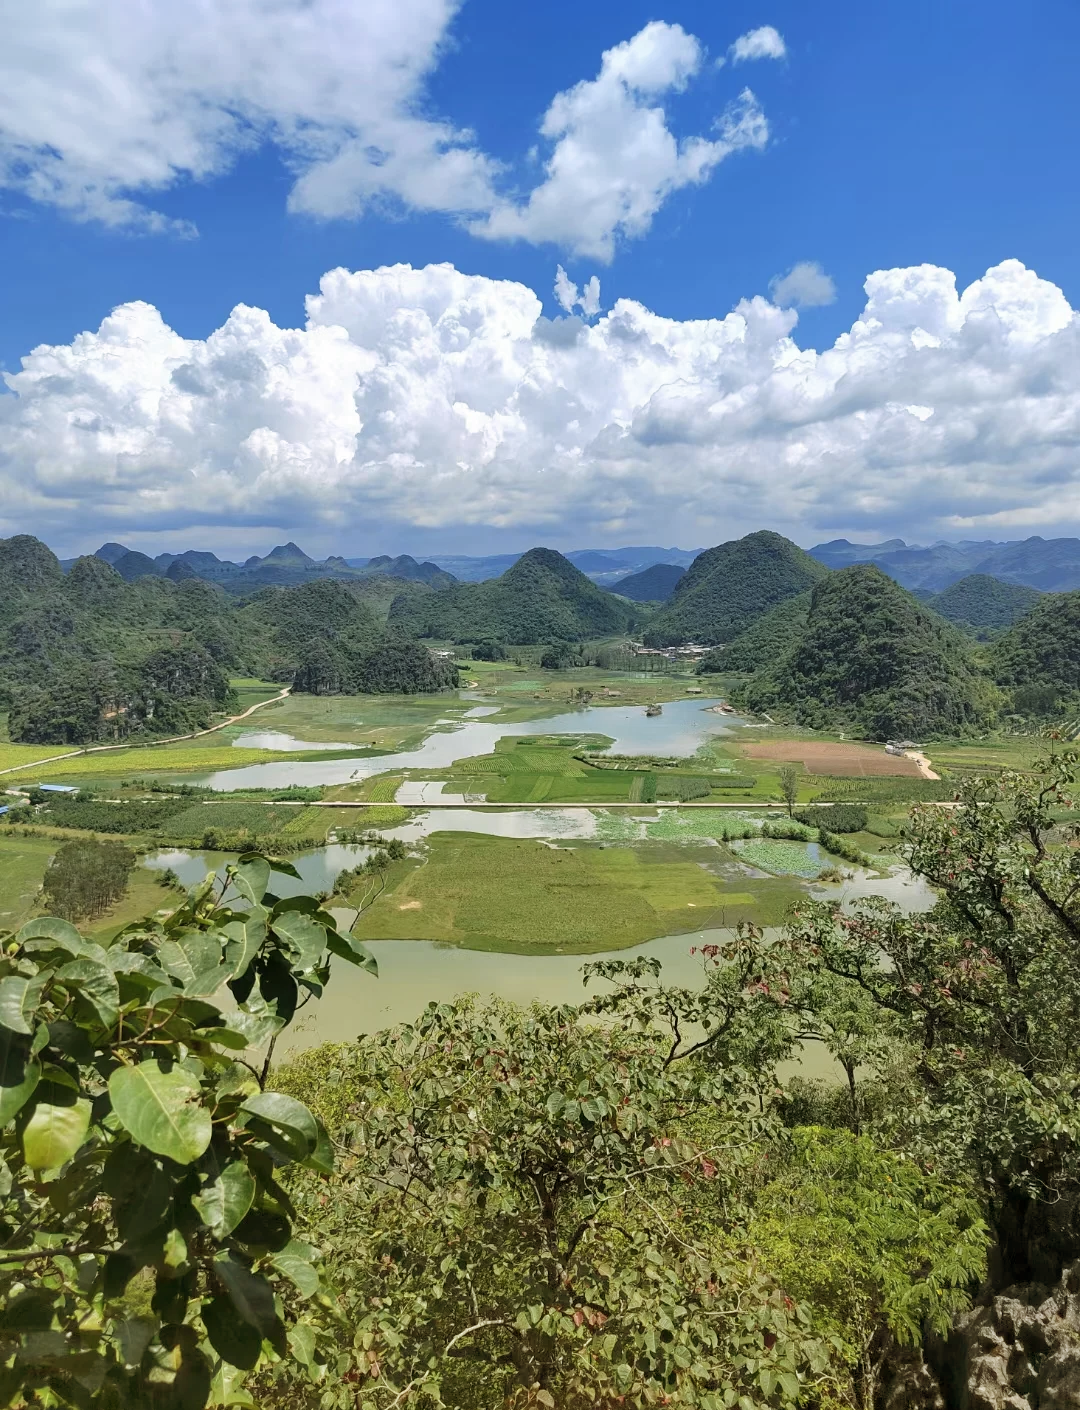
(840, 760)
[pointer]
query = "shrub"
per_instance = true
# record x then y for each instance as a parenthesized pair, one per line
(840, 817)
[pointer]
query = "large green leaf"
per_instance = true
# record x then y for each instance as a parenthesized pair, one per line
(245, 938)
(251, 877)
(305, 937)
(235, 1340)
(223, 1201)
(289, 1118)
(18, 998)
(52, 928)
(258, 1027)
(95, 984)
(53, 1134)
(338, 943)
(192, 954)
(160, 1108)
(19, 1075)
(294, 1261)
(252, 1297)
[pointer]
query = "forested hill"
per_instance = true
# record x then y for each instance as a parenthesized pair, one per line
(654, 584)
(542, 597)
(765, 641)
(728, 587)
(1043, 649)
(88, 655)
(876, 658)
(980, 601)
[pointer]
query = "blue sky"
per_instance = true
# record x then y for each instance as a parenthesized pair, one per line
(899, 135)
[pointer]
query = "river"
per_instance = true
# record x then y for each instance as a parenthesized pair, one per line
(679, 731)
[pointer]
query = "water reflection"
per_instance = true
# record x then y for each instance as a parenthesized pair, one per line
(679, 731)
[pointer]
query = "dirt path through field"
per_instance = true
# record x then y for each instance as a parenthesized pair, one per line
(923, 763)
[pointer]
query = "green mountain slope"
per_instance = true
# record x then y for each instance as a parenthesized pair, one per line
(771, 637)
(979, 601)
(653, 584)
(1043, 648)
(543, 597)
(875, 659)
(729, 587)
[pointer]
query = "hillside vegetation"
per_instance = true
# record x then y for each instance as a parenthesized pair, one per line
(876, 658)
(1043, 648)
(981, 602)
(770, 638)
(542, 597)
(655, 584)
(88, 655)
(729, 587)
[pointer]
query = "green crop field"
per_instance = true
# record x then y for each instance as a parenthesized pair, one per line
(523, 897)
(22, 865)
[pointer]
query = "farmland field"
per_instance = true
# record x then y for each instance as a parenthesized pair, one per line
(834, 757)
(525, 897)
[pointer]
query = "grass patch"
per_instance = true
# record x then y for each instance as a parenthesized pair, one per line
(522, 897)
(22, 865)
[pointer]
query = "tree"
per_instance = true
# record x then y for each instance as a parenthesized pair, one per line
(145, 1238)
(518, 1217)
(985, 993)
(789, 786)
(86, 877)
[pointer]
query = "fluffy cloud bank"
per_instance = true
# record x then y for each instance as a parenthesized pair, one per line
(431, 398)
(104, 102)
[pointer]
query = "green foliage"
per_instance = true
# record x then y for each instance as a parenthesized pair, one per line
(175, 690)
(839, 817)
(839, 846)
(985, 989)
(147, 1242)
(518, 1217)
(488, 651)
(83, 810)
(86, 877)
(769, 638)
(876, 1245)
(543, 597)
(729, 587)
(982, 602)
(1043, 648)
(682, 787)
(404, 668)
(874, 657)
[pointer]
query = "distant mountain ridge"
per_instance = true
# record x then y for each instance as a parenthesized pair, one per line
(284, 566)
(1049, 565)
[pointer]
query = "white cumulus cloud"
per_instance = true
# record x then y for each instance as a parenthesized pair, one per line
(569, 296)
(615, 160)
(805, 285)
(104, 103)
(763, 43)
(431, 399)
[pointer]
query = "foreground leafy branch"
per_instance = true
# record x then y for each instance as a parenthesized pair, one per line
(144, 1234)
